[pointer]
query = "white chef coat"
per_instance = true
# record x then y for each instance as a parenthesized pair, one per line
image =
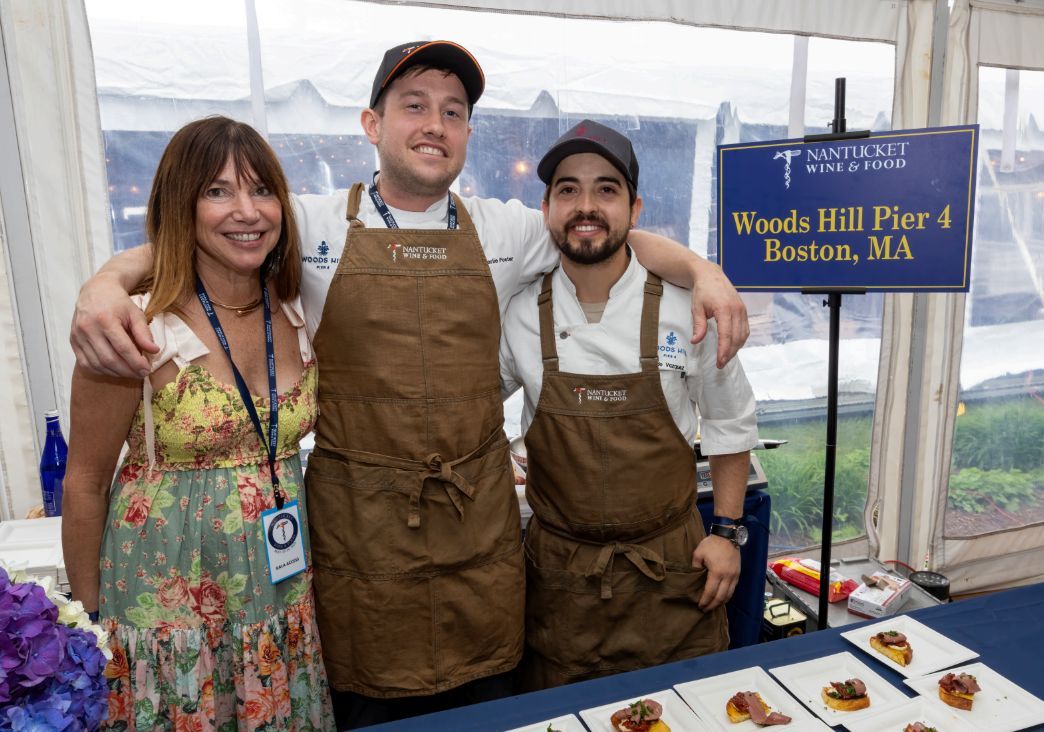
(692, 383)
(514, 238)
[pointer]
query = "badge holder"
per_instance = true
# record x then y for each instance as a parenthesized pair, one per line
(284, 542)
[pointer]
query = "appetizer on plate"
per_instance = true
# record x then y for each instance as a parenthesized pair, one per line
(894, 645)
(957, 690)
(847, 696)
(746, 705)
(919, 727)
(641, 716)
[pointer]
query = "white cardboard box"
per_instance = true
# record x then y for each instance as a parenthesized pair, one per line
(881, 600)
(35, 546)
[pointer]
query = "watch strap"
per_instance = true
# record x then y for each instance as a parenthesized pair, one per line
(724, 531)
(726, 521)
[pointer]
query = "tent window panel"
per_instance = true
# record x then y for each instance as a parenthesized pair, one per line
(159, 66)
(997, 472)
(869, 73)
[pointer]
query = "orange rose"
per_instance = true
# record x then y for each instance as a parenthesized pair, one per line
(118, 667)
(206, 699)
(188, 722)
(120, 704)
(269, 660)
(293, 636)
(260, 708)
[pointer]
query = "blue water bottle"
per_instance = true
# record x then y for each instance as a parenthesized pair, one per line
(52, 465)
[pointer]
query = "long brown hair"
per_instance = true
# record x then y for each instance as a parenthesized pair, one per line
(192, 160)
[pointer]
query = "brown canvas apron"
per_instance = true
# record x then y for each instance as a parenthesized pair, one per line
(414, 519)
(612, 485)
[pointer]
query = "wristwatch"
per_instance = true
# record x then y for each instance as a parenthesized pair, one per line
(729, 528)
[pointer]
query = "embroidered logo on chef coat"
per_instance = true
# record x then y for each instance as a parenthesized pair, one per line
(321, 259)
(671, 353)
(599, 395)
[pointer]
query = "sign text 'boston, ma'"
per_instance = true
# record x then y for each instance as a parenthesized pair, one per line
(889, 212)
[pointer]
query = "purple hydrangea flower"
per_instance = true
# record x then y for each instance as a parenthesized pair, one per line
(51, 675)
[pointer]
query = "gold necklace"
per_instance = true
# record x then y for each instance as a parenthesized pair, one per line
(239, 310)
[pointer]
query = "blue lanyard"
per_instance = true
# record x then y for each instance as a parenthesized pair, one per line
(389, 220)
(244, 392)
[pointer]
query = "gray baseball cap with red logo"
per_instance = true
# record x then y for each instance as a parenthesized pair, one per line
(589, 136)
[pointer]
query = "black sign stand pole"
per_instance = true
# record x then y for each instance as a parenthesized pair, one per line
(833, 301)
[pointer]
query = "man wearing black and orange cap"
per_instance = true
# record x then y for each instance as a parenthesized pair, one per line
(413, 516)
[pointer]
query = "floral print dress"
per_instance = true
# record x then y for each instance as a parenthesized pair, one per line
(202, 640)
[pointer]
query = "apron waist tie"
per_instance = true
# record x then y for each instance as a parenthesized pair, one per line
(433, 467)
(646, 560)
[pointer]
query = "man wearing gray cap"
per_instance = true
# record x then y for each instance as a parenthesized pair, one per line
(413, 517)
(619, 574)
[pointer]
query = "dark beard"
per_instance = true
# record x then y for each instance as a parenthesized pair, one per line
(585, 253)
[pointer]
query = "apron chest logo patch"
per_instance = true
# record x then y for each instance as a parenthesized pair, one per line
(418, 252)
(599, 395)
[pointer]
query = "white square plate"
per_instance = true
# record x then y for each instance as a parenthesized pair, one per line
(708, 698)
(28, 531)
(918, 709)
(676, 714)
(566, 723)
(932, 650)
(805, 680)
(35, 559)
(1001, 706)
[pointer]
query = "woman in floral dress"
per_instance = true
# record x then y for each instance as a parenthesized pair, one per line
(175, 557)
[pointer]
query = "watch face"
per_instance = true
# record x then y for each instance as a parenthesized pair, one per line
(741, 535)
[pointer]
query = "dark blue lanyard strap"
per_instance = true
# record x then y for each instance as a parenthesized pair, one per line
(389, 220)
(244, 392)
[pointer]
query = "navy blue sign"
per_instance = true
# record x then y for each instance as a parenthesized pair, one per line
(892, 212)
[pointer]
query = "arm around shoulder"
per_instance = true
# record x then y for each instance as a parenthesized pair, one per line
(713, 296)
(109, 333)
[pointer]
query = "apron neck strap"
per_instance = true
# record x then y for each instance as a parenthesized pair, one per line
(548, 350)
(650, 323)
(649, 333)
(464, 222)
(354, 197)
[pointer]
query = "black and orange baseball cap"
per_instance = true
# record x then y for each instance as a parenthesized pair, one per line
(590, 136)
(440, 54)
